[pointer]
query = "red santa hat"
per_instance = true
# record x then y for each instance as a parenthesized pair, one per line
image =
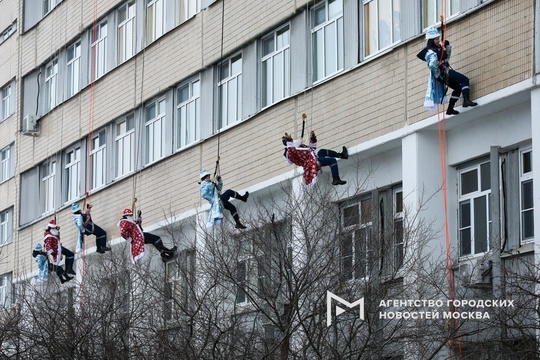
(52, 224)
(127, 212)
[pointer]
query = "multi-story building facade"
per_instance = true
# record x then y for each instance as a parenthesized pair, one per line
(124, 99)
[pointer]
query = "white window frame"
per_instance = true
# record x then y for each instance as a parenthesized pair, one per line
(5, 290)
(186, 9)
(180, 276)
(155, 19)
(73, 78)
(98, 158)
(373, 32)
(154, 129)
(125, 145)
(360, 235)
(469, 226)
(230, 91)
(51, 85)
(399, 227)
(6, 227)
(6, 162)
(188, 113)
(432, 9)
(321, 65)
(126, 31)
(72, 172)
(276, 80)
(525, 177)
(7, 109)
(47, 174)
(99, 50)
(48, 5)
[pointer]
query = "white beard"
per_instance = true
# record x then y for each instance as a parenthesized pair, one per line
(54, 232)
(130, 218)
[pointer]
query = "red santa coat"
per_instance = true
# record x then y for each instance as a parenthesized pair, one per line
(130, 231)
(304, 156)
(53, 246)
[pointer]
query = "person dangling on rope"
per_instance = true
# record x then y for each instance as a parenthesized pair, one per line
(210, 191)
(86, 226)
(42, 260)
(56, 250)
(306, 157)
(436, 56)
(131, 230)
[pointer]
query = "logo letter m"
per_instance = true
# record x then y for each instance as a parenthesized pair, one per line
(339, 310)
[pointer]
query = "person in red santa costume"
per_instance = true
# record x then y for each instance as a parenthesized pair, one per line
(131, 230)
(306, 157)
(56, 250)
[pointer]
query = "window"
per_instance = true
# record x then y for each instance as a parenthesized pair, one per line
(126, 31)
(6, 226)
(432, 10)
(5, 290)
(155, 19)
(51, 78)
(180, 279)
(188, 113)
(10, 30)
(381, 24)
(327, 38)
(99, 50)
(98, 157)
(7, 109)
(356, 238)
(474, 204)
(48, 5)
(276, 66)
(72, 172)
(264, 256)
(154, 115)
(47, 175)
(186, 9)
(6, 159)
(526, 196)
(73, 69)
(398, 228)
(125, 142)
(230, 91)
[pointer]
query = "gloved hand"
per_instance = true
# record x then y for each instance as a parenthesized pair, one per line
(313, 137)
(218, 179)
(446, 42)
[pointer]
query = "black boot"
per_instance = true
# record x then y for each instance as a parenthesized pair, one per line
(102, 249)
(338, 181)
(344, 154)
(69, 270)
(65, 278)
(239, 225)
(450, 110)
(167, 255)
(467, 101)
(243, 197)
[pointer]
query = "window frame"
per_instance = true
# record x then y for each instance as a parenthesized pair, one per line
(73, 69)
(186, 9)
(284, 54)
(432, 19)
(124, 51)
(47, 185)
(154, 29)
(525, 177)
(6, 227)
(7, 109)
(98, 47)
(367, 31)
(180, 277)
(469, 198)
(360, 235)
(6, 290)
(120, 145)
(152, 146)
(224, 88)
(98, 158)
(72, 172)
(187, 123)
(399, 224)
(336, 48)
(51, 85)
(6, 163)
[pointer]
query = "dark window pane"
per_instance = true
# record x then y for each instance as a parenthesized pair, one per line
(366, 211)
(528, 224)
(464, 214)
(480, 225)
(465, 238)
(527, 162)
(268, 45)
(241, 282)
(485, 177)
(351, 216)
(527, 195)
(399, 201)
(469, 182)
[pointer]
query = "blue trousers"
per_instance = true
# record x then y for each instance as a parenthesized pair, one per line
(327, 158)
